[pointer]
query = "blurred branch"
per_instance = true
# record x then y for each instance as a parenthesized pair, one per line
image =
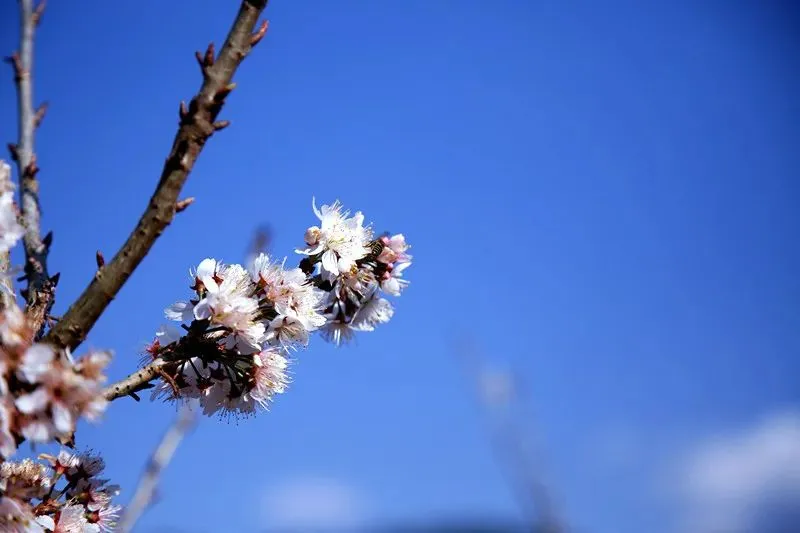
(145, 492)
(7, 298)
(41, 287)
(497, 394)
(197, 124)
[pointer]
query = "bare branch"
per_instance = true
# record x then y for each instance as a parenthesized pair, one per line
(41, 289)
(145, 492)
(195, 129)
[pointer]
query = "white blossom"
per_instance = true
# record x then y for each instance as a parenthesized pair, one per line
(337, 332)
(11, 230)
(374, 311)
(392, 281)
(64, 392)
(340, 238)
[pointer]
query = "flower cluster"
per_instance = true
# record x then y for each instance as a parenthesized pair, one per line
(353, 270)
(32, 501)
(43, 391)
(242, 324)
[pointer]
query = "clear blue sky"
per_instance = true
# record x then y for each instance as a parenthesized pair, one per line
(604, 197)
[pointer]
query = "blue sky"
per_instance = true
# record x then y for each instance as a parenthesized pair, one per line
(603, 197)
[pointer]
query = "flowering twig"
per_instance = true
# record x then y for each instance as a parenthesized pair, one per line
(197, 124)
(146, 490)
(41, 287)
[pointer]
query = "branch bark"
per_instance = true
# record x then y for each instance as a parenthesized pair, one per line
(197, 124)
(41, 287)
(161, 457)
(135, 381)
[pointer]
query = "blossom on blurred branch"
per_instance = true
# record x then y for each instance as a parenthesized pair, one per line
(43, 391)
(32, 502)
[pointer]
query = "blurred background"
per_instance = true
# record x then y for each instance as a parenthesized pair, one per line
(602, 331)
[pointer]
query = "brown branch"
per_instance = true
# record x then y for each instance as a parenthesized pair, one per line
(196, 126)
(41, 287)
(136, 381)
(146, 490)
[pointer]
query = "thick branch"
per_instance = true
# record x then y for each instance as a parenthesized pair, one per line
(145, 492)
(196, 126)
(135, 382)
(41, 288)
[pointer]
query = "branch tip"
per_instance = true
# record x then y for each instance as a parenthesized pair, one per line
(31, 169)
(12, 150)
(221, 124)
(15, 61)
(205, 60)
(223, 92)
(48, 240)
(38, 12)
(256, 37)
(40, 112)
(208, 60)
(98, 256)
(54, 278)
(181, 205)
(182, 111)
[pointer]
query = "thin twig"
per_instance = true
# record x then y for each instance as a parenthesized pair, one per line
(196, 126)
(145, 492)
(135, 382)
(41, 287)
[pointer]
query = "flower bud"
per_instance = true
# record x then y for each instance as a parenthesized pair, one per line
(312, 235)
(387, 256)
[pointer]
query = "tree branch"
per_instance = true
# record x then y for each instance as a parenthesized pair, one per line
(136, 381)
(41, 287)
(161, 457)
(196, 126)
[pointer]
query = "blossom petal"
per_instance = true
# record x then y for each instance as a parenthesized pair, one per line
(33, 402)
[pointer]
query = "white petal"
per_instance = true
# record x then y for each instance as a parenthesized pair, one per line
(314, 207)
(391, 286)
(62, 418)
(167, 334)
(207, 268)
(202, 310)
(33, 402)
(329, 262)
(36, 362)
(38, 431)
(46, 522)
(179, 311)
